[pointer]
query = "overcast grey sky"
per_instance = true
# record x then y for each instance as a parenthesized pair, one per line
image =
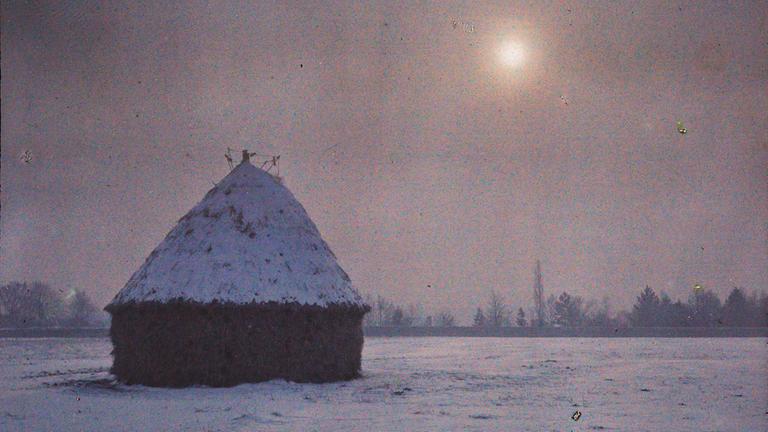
(435, 170)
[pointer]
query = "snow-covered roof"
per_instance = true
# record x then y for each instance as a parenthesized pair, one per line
(248, 241)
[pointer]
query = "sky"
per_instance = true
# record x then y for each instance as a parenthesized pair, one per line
(437, 162)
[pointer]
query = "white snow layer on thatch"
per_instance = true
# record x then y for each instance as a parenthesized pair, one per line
(248, 241)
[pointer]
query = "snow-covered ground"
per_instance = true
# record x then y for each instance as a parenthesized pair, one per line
(413, 384)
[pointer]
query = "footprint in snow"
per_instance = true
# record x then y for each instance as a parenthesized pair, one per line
(482, 416)
(254, 419)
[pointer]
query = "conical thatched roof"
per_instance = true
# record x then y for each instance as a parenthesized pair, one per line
(249, 241)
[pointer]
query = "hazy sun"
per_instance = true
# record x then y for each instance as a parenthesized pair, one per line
(512, 54)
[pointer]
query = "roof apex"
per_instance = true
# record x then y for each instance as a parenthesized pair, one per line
(248, 241)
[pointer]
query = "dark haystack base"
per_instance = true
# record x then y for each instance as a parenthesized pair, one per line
(183, 344)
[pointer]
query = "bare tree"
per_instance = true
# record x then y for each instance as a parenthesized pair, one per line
(445, 319)
(46, 304)
(369, 319)
(479, 319)
(496, 314)
(12, 303)
(538, 295)
(29, 304)
(549, 310)
(520, 320)
(414, 315)
(398, 317)
(385, 312)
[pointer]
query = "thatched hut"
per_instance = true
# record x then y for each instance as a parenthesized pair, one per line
(243, 289)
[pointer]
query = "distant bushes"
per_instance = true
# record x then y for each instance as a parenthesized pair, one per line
(35, 304)
(385, 313)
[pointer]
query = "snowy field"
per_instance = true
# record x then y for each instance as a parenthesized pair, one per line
(414, 384)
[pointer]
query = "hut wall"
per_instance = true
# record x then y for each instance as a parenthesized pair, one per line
(184, 344)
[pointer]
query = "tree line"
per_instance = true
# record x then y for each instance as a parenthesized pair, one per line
(703, 308)
(36, 304)
(385, 313)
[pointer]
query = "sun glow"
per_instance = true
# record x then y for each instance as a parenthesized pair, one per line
(512, 54)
